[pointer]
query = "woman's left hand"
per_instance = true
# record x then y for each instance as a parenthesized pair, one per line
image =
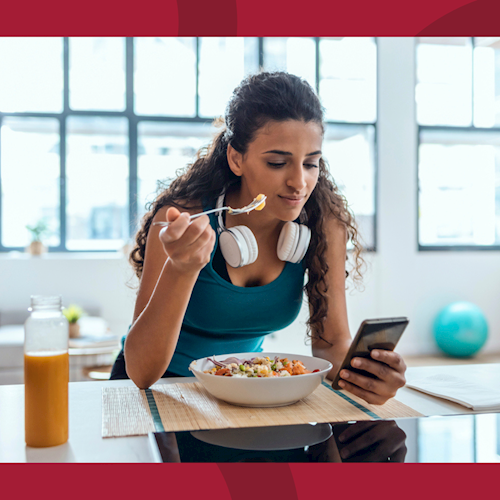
(387, 366)
(381, 441)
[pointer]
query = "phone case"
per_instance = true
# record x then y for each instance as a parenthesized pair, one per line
(358, 350)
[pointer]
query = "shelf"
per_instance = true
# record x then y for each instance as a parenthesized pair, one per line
(436, 360)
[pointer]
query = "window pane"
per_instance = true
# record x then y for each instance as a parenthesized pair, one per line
(224, 62)
(294, 55)
(442, 439)
(97, 73)
(349, 152)
(97, 171)
(165, 76)
(459, 188)
(163, 149)
(30, 171)
(487, 82)
(488, 437)
(31, 74)
(444, 81)
(348, 79)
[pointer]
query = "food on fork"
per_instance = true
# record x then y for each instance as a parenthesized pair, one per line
(258, 367)
(260, 206)
(254, 205)
(257, 203)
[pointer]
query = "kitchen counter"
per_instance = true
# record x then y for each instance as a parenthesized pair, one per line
(85, 443)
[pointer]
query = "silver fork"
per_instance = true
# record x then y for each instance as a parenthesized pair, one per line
(233, 211)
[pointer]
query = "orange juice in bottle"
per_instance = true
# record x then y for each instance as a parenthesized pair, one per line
(46, 373)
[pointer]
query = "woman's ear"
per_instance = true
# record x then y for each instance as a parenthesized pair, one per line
(234, 158)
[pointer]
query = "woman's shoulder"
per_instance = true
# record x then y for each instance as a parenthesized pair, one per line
(334, 228)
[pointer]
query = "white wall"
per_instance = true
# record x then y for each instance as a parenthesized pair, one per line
(95, 281)
(400, 281)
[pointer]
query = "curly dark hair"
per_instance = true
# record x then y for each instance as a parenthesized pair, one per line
(260, 98)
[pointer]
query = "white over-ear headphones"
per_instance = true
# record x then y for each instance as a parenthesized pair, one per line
(239, 246)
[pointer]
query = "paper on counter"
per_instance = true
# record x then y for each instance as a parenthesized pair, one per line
(468, 393)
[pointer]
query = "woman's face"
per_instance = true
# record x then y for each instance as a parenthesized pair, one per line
(281, 162)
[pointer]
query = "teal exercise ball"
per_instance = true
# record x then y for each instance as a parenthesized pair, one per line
(460, 329)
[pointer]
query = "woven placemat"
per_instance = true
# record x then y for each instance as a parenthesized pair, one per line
(129, 411)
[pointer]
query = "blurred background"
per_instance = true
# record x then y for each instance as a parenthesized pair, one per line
(90, 125)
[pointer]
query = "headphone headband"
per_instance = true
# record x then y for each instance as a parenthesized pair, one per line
(219, 204)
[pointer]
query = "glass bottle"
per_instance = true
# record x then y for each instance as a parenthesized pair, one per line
(46, 373)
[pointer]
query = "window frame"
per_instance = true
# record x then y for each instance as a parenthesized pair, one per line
(134, 119)
(472, 129)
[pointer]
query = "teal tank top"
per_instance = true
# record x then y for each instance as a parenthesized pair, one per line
(222, 318)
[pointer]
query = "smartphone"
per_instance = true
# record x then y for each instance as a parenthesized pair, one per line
(372, 334)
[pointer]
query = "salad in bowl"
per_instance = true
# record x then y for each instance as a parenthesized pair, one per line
(258, 366)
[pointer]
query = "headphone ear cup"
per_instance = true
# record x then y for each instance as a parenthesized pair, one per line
(251, 244)
(287, 241)
(230, 248)
(238, 246)
(293, 242)
(303, 243)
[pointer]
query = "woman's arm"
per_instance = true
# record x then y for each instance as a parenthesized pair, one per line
(388, 366)
(174, 257)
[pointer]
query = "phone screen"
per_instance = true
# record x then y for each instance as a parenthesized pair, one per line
(373, 334)
(378, 336)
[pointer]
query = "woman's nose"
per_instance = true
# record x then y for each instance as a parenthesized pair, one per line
(297, 179)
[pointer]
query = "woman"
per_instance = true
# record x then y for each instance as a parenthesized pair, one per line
(192, 304)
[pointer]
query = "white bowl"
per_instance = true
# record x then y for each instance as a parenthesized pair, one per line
(264, 391)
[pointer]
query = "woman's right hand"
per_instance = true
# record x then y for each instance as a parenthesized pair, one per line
(187, 244)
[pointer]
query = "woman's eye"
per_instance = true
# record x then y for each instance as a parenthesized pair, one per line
(279, 165)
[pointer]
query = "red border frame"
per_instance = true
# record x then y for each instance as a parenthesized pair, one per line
(237, 481)
(249, 18)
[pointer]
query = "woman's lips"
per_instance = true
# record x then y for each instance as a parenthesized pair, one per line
(292, 201)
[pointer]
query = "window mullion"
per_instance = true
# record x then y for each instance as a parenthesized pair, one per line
(132, 136)
(197, 97)
(1, 239)
(318, 76)
(261, 53)
(62, 184)
(62, 148)
(473, 43)
(66, 75)
(133, 184)
(129, 75)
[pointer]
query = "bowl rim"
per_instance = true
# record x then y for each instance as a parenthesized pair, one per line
(193, 368)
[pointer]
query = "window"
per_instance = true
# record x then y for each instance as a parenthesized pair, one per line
(97, 174)
(444, 439)
(461, 438)
(32, 75)
(458, 112)
(164, 149)
(90, 127)
(30, 164)
(487, 437)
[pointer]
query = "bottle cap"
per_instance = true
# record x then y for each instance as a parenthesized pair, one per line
(45, 302)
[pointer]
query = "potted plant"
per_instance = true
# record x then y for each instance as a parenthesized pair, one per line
(73, 313)
(38, 231)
